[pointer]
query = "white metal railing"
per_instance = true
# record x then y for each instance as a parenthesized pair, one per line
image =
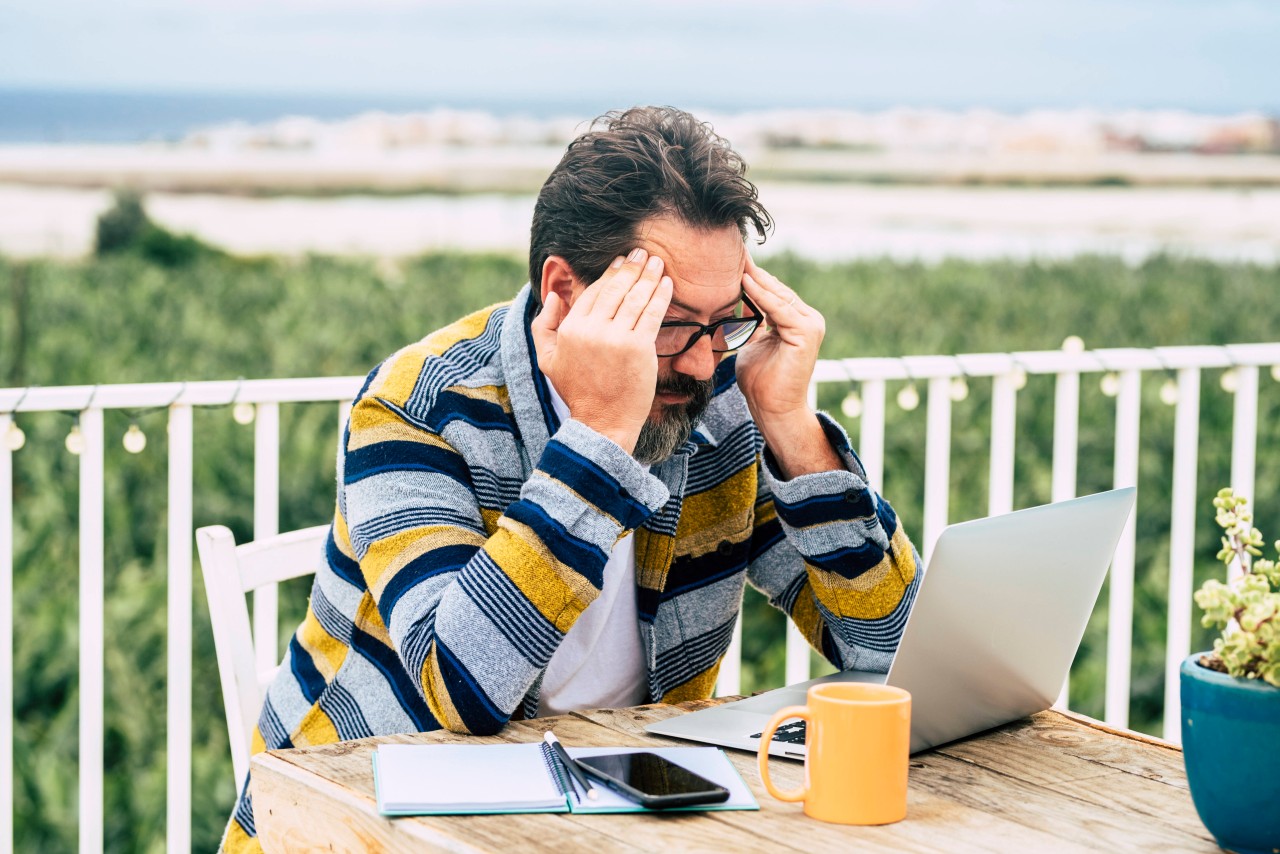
(1006, 371)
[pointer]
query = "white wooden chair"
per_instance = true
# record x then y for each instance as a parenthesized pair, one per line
(230, 573)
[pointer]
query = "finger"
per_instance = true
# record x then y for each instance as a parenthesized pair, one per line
(591, 294)
(779, 310)
(651, 318)
(544, 326)
(637, 299)
(615, 289)
(772, 283)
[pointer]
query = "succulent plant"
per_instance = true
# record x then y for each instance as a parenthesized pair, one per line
(1247, 608)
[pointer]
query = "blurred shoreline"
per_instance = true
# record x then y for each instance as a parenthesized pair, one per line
(828, 222)
(910, 184)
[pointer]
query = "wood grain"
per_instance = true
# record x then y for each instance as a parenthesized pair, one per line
(1051, 782)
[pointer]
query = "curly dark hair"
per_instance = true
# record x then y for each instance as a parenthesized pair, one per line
(629, 166)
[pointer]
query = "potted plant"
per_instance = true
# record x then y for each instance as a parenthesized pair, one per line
(1231, 696)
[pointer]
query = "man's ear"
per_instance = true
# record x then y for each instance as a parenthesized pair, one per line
(558, 276)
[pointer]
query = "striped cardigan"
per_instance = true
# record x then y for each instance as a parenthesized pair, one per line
(472, 529)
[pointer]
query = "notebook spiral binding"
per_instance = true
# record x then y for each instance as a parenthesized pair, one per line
(558, 772)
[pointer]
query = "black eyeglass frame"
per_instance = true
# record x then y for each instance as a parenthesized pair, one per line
(710, 328)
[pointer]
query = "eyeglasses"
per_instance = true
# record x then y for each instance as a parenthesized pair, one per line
(727, 335)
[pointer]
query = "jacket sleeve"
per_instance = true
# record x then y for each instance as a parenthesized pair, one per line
(473, 617)
(830, 552)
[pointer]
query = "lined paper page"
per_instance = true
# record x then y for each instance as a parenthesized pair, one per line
(464, 777)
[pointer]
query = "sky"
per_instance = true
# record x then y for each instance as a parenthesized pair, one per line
(1209, 56)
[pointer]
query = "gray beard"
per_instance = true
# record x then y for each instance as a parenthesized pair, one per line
(660, 439)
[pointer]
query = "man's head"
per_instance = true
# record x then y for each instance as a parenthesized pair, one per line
(658, 179)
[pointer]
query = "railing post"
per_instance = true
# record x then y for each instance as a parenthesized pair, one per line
(937, 462)
(6, 639)
(178, 733)
(871, 436)
(1120, 601)
(729, 682)
(1066, 426)
(92, 633)
(1182, 545)
(266, 523)
(1244, 441)
(1004, 409)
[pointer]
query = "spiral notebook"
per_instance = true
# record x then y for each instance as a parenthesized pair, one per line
(468, 779)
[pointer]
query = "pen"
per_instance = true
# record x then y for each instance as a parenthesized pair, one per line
(570, 765)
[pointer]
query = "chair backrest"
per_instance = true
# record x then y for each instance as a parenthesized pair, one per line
(230, 572)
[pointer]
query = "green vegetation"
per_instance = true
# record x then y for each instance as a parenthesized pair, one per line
(134, 316)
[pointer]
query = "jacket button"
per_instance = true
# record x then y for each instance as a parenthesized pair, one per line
(852, 495)
(725, 548)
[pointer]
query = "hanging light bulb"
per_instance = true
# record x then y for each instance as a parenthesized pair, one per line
(243, 413)
(1275, 373)
(1169, 393)
(14, 438)
(909, 397)
(1110, 384)
(851, 406)
(134, 439)
(75, 440)
(959, 389)
(1019, 379)
(1073, 344)
(1230, 381)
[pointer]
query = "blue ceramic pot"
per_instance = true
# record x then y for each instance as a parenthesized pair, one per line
(1231, 744)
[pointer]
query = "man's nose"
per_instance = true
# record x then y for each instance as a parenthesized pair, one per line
(699, 361)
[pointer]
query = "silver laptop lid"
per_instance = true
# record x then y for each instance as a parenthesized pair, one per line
(1008, 601)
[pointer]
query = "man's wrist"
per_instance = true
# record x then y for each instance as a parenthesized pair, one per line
(798, 444)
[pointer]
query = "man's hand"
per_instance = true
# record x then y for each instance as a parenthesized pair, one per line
(600, 354)
(774, 370)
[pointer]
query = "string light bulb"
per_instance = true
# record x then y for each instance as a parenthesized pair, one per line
(14, 438)
(1230, 381)
(75, 440)
(1275, 373)
(243, 413)
(851, 406)
(135, 441)
(1110, 384)
(959, 389)
(1169, 393)
(1073, 344)
(909, 397)
(1019, 379)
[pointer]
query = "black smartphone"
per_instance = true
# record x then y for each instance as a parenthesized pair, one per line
(652, 781)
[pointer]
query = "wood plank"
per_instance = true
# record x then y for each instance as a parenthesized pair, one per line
(933, 821)
(1050, 783)
(1141, 777)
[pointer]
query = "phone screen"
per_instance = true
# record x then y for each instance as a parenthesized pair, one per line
(650, 774)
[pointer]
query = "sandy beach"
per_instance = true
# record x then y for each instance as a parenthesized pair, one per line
(825, 221)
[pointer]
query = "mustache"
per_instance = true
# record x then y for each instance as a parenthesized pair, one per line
(685, 384)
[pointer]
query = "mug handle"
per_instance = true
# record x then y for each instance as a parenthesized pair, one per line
(762, 752)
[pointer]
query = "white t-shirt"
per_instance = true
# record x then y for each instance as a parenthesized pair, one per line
(600, 663)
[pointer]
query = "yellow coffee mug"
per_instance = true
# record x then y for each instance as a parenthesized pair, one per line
(859, 739)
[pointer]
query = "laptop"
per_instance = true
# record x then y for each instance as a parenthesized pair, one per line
(990, 638)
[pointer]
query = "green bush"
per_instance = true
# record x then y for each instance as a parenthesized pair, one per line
(126, 316)
(125, 227)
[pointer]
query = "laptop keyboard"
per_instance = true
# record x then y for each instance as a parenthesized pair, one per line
(792, 733)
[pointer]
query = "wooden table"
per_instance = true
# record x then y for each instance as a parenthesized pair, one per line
(1052, 782)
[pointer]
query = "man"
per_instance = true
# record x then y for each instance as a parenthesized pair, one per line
(554, 504)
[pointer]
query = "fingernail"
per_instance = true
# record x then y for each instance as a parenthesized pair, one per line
(654, 265)
(617, 262)
(666, 280)
(636, 255)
